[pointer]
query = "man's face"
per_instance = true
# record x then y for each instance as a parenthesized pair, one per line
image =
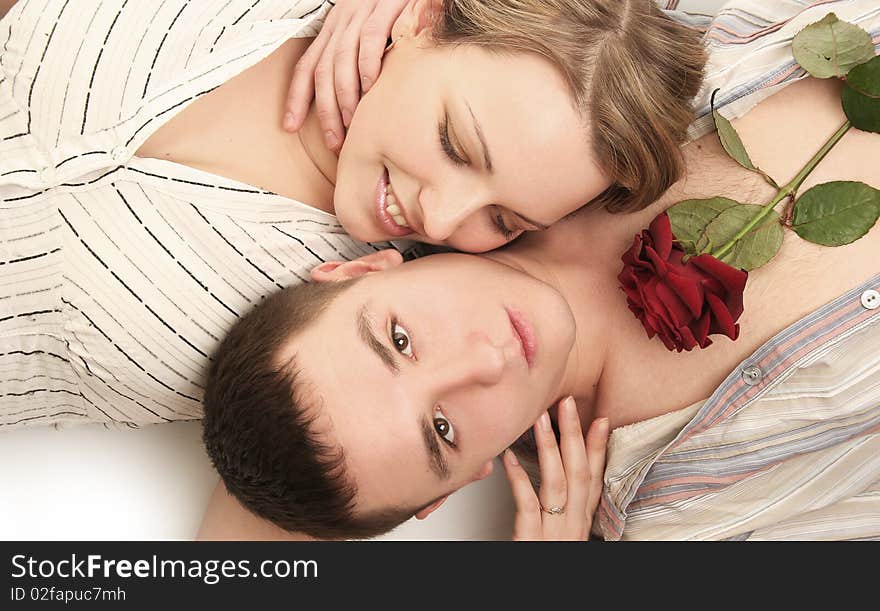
(425, 372)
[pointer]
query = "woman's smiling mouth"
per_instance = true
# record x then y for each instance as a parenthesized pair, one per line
(388, 210)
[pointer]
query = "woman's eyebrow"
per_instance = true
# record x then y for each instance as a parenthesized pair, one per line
(479, 129)
(366, 333)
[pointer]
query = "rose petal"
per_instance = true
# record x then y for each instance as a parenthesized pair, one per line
(733, 279)
(691, 293)
(678, 310)
(700, 328)
(688, 341)
(658, 262)
(723, 322)
(631, 256)
(661, 231)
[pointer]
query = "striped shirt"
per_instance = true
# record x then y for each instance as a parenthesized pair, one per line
(119, 275)
(788, 447)
(749, 44)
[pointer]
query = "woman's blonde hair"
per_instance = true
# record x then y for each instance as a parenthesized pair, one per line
(632, 72)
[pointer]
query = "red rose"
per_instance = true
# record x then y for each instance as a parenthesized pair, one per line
(683, 303)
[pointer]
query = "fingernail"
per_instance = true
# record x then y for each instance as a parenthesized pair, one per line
(603, 426)
(331, 139)
(366, 83)
(570, 404)
(289, 120)
(511, 457)
(544, 421)
(346, 117)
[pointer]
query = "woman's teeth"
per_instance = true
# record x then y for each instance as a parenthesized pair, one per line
(392, 208)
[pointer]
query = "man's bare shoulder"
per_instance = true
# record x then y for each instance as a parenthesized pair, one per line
(5, 5)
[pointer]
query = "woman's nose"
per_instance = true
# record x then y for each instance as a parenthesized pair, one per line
(443, 216)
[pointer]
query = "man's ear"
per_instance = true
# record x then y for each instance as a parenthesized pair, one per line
(484, 472)
(424, 513)
(337, 271)
(418, 16)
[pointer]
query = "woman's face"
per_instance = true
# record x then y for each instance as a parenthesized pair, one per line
(451, 356)
(475, 148)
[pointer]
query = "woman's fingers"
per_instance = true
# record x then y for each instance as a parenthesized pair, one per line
(345, 68)
(326, 104)
(597, 446)
(553, 492)
(527, 525)
(575, 464)
(374, 37)
(572, 473)
(343, 60)
(302, 85)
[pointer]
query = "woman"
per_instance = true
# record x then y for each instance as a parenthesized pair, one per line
(449, 358)
(136, 232)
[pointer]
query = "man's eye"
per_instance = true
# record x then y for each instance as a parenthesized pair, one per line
(444, 427)
(400, 339)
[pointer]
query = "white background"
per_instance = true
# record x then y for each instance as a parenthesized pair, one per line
(86, 482)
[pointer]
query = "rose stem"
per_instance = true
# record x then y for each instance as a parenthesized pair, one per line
(788, 190)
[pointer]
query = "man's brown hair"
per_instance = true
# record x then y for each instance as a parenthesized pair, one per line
(259, 426)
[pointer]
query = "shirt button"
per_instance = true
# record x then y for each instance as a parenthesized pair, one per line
(871, 299)
(752, 375)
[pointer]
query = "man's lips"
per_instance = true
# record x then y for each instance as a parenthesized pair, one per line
(525, 334)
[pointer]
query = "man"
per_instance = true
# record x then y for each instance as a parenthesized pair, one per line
(402, 381)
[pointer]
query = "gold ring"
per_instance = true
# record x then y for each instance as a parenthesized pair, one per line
(553, 511)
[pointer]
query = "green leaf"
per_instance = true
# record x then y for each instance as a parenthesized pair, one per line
(756, 247)
(831, 47)
(861, 96)
(836, 213)
(730, 139)
(689, 219)
(733, 144)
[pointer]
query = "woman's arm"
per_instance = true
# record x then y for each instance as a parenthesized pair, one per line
(225, 519)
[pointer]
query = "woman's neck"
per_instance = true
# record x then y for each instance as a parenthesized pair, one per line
(310, 139)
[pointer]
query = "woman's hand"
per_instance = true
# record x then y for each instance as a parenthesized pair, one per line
(571, 480)
(342, 62)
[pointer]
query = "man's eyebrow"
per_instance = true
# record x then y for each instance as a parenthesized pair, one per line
(479, 129)
(365, 330)
(435, 454)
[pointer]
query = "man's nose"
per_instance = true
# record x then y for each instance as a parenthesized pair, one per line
(481, 362)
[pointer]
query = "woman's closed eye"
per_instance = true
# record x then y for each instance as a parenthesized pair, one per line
(400, 339)
(443, 426)
(447, 146)
(501, 226)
